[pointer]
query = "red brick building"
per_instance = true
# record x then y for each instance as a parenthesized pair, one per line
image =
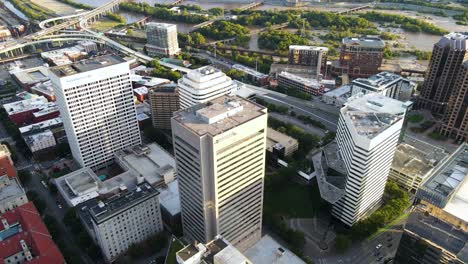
(6, 163)
(31, 111)
(25, 239)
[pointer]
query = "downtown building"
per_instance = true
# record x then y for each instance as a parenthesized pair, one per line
(162, 39)
(445, 67)
(204, 84)
(352, 171)
(220, 157)
(95, 99)
(315, 57)
(164, 101)
(360, 57)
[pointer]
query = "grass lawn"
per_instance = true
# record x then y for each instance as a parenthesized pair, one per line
(415, 118)
(437, 136)
(293, 201)
(173, 248)
(104, 24)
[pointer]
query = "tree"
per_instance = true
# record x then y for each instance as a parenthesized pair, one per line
(198, 39)
(216, 11)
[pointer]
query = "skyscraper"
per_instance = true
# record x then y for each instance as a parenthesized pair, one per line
(220, 157)
(352, 172)
(162, 39)
(204, 84)
(447, 58)
(164, 100)
(95, 100)
(455, 123)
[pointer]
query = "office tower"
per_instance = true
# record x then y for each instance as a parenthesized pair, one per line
(220, 158)
(95, 100)
(361, 57)
(315, 57)
(455, 122)
(447, 58)
(352, 172)
(202, 85)
(164, 100)
(162, 39)
(125, 219)
(385, 83)
(304, 85)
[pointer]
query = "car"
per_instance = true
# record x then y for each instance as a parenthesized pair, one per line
(378, 246)
(44, 184)
(59, 205)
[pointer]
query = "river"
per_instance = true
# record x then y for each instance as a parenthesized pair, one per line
(14, 10)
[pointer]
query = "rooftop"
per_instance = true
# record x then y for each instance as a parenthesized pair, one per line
(302, 47)
(165, 88)
(9, 188)
(340, 91)
(449, 175)
(45, 88)
(25, 105)
(373, 113)
(46, 109)
(365, 42)
(306, 81)
(160, 25)
(87, 65)
(147, 80)
(269, 251)
(25, 226)
(274, 137)
(218, 115)
(169, 197)
(31, 75)
(455, 40)
(380, 81)
(41, 125)
(38, 137)
(412, 161)
(121, 201)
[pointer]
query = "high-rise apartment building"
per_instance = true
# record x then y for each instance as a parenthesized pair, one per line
(352, 172)
(220, 157)
(455, 122)
(164, 100)
(95, 100)
(447, 58)
(124, 219)
(204, 84)
(162, 39)
(315, 57)
(361, 57)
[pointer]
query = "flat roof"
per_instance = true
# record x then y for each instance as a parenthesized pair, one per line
(31, 139)
(227, 112)
(12, 189)
(31, 75)
(380, 81)
(41, 125)
(340, 91)
(373, 113)
(81, 180)
(449, 175)
(274, 137)
(169, 197)
(364, 41)
(458, 205)
(269, 251)
(160, 25)
(412, 161)
(119, 202)
(306, 81)
(87, 65)
(303, 47)
(25, 105)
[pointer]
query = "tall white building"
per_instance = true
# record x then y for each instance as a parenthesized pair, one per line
(204, 84)
(220, 159)
(124, 219)
(95, 100)
(162, 39)
(352, 172)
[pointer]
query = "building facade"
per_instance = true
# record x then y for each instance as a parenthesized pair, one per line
(455, 122)
(164, 101)
(304, 85)
(126, 219)
(361, 57)
(162, 39)
(315, 57)
(95, 99)
(202, 85)
(220, 157)
(445, 65)
(385, 83)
